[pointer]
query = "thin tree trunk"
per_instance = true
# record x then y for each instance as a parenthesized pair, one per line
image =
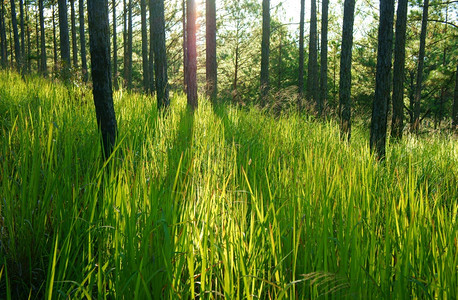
(421, 57)
(312, 79)
(99, 39)
(124, 40)
(144, 46)
(17, 48)
(64, 39)
(211, 64)
(185, 51)
(397, 122)
(4, 52)
(192, 53)
(129, 46)
(37, 37)
(115, 48)
(324, 58)
(152, 86)
(83, 40)
(160, 55)
(301, 56)
(11, 43)
(29, 46)
(44, 67)
(21, 10)
(455, 102)
(54, 35)
(265, 51)
(345, 69)
(74, 43)
(382, 80)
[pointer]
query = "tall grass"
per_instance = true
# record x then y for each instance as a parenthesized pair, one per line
(220, 203)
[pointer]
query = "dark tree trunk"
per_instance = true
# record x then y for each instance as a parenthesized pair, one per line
(324, 58)
(64, 38)
(29, 46)
(115, 47)
(211, 64)
(152, 87)
(397, 122)
(43, 65)
(455, 102)
(21, 10)
(382, 80)
(74, 43)
(129, 46)
(192, 53)
(312, 79)
(17, 47)
(54, 37)
(144, 46)
(345, 69)
(99, 39)
(4, 52)
(185, 52)
(83, 40)
(160, 55)
(301, 56)
(124, 41)
(421, 57)
(265, 51)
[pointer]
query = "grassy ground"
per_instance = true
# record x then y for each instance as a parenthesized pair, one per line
(222, 203)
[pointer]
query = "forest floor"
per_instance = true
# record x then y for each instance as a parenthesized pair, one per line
(220, 203)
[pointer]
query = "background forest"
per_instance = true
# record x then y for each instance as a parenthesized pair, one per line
(287, 149)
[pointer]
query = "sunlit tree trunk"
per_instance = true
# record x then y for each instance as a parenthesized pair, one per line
(99, 41)
(397, 123)
(160, 55)
(185, 52)
(301, 56)
(324, 58)
(43, 65)
(421, 57)
(312, 79)
(83, 41)
(265, 51)
(192, 53)
(144, 45)
(382, 80)
(211, 64)
(152, 86)
(345, 69)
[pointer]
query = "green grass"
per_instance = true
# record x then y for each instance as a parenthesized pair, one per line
(223, 203)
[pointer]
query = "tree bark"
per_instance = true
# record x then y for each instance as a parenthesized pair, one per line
(192, 53)
(115, 47)
(129, 46)
(185, 51)
(382, 80)
(144, 46)
(160, 55)
(301, 56)
(73, 26)
(17, 48)
(99, 41)
(397, 122)
(265, 52)
(345, 69)
(4, 51)
(43, 65)
(211, 64)
(421, 57)
(83, 40)
(124, 41)
(455, 102)
(324, 58)
(152, 87)
(21, 10)
(312, 79)
(64, 39)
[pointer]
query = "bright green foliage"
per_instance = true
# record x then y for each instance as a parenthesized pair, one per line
(222, 202)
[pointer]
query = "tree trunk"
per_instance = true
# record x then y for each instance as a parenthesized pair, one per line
(29, 46)
(421, 57)
(99, 39)
(144, 46)
(115, 48)
(152, 87)
(265, 51)
(129, 47)
(345, 69)
(37, 37)
(324, 58)
(124, 41)
(455, 102)
(160, 55)
(54, 37)
(73, 24)
(192, 53)
(301, 56)
(17, 48)
(44, 67)
(21, 10)
(83, 40)
(211, 64)
(64, 39)
(312, 79)
(185, 51)
(382, 80)
(4, 52)
(397, 122)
